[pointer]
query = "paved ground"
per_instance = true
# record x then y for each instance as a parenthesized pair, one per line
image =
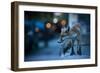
(52, 53)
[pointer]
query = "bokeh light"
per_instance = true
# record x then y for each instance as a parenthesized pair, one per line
(48, 25)
(37, 29)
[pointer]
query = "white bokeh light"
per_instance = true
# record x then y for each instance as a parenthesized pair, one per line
(55, 20)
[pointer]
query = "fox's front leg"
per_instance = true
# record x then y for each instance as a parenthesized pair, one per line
(79, 52)
(61, 51)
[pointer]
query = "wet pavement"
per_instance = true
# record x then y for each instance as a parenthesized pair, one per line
(52, 53)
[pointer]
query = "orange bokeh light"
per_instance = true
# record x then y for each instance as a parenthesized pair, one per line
(48, 25)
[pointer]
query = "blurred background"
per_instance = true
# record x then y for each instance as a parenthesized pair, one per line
(42, 31)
